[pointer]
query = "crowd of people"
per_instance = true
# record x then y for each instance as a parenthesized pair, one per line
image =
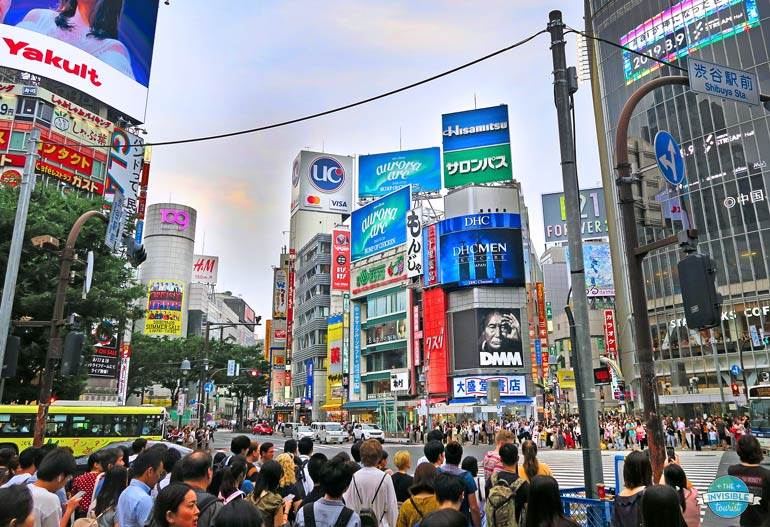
(251, 486)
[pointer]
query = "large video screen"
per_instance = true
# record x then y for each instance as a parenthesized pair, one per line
(487, 338)
(101, 47)
(479, 249)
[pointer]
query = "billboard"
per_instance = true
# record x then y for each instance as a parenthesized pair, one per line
(597, 263)
(164, 308)
(107, 56)
(381, 174)
(280, 294)
(341, 259)
(322, 182)
(435, 340)
(356, 348)
(593, 215)
(414, 242)
(334, 345)
(374, 275)
(487, 338)
(104, 362)
(566, 378)
(380, 225)
(124, 172)
(477, 385)
(476, 146)
(477, 249)
(205, 269)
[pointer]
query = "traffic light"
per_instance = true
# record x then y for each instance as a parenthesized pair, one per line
(11, 359)
(73, 349)
(736, 390)
(135, 252)
(702, 303)
(253, 373)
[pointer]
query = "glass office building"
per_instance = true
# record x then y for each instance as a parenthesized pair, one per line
(726, 146)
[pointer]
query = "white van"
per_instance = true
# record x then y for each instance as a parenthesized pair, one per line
(332, 433)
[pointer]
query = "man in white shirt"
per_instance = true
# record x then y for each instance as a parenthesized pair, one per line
(371, 488)
(305, 447)
(433, 435)
(54, 473)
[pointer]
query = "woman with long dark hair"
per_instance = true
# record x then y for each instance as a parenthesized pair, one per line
(17, 507)
(232, 479)
(637, 476)
(531, 466)
(238, 513)
(544, 507)
(660, 507)
(176, 506)
(675, 477)
(266, 497)
(91, 25)
(115, 482)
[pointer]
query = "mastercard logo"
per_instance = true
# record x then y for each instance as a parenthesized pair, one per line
(314, 200)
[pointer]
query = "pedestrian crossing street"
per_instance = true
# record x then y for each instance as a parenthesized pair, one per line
(567, 467)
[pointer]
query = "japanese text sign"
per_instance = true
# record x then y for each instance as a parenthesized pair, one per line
(341, 259)
(610, 334)
(720, 81)
(69, 158)
(475, 386)
(414, 242)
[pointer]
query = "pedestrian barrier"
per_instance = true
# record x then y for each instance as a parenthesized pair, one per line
(586, 511)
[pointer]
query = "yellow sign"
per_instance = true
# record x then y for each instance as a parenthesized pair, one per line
(566, 379)
(164, 308)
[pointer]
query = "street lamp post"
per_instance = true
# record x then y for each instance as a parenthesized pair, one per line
(185, 369)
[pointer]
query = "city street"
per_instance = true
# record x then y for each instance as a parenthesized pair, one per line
(567, 465)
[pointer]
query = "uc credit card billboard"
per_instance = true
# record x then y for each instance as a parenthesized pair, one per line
(477, 146)
(322, 182)
(479, 249)
(380, 225)
(380, 174)
(108, 56)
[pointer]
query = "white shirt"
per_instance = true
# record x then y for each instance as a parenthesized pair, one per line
(308, 483)
(18, 479)
(46, 507)
(383, 504)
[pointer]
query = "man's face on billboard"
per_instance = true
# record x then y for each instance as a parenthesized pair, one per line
(493, 332)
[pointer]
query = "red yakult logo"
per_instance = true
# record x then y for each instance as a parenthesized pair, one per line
(50, 58)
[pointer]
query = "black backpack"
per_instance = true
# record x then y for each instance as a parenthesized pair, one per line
(368, 516)
(309, 516)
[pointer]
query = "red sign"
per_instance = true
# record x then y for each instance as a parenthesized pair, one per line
(68, 157)
(5, 136)
(435, 341)
(12, 160)
(279, 334)
(10, 178)
(432, 270)
(542, 325)
(290, 302)
(341, 259)
(610, 336)
(75, 180)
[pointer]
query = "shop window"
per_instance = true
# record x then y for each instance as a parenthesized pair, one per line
(25, 108)
(44, 112)
(18, 141)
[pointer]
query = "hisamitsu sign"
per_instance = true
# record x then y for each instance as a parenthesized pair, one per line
(720, 81)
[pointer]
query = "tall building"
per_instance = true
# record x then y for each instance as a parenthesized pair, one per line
(725, 146)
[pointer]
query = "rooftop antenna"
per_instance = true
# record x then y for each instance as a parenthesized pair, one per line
(203, 248)
(399, 139)
(475, 106)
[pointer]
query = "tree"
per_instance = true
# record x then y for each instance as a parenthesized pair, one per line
(113, 295)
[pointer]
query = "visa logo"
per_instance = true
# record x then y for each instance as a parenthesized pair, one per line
(339, 203)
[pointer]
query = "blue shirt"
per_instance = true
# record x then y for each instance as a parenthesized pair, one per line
(134, 505)
(468, 482)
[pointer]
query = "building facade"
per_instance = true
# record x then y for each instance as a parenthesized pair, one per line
(724, 196)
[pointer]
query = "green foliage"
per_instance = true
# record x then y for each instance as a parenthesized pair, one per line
(112, 296)
(158, 360)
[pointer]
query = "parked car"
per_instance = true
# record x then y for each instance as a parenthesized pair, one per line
(301, 431)
(288, 429)
(262, 429)
(364, 431)
(331, 433)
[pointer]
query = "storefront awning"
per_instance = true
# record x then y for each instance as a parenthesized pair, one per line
(503, 400)
(361, 405)
(332, 406)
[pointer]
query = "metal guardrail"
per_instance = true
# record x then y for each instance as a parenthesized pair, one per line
(586, 511)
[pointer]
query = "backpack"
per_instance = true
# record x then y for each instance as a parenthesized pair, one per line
(367, 514)
(309, 516)
(500, 508)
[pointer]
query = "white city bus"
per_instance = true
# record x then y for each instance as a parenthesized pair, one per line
(759, 414)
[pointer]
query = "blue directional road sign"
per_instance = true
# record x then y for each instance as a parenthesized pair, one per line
(735, 370)
(669, 157)
(209, 387)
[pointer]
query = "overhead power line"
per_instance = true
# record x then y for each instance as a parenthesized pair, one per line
(332, 110)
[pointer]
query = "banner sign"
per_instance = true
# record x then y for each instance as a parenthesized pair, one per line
(104, 363)
(566, 379)
(334, 345)
(125, 364)
(597, 262)
(477, 249)
(341, 259)
(593, 215)
(71, 159)
(124, 169)
(290, 302)
(542, 331)
(487, 338)
(164, 308)
(322, 182)
(381, 174)
(476, 146)
(110, 60)
(414, 242)
(280, 293)
(356, 348)
(610, 336)
(435, 340)
(477, 386)
(431, 256)
(309, 380)
(399, 382)
(375, 275)
(205, 269)
(380, 225)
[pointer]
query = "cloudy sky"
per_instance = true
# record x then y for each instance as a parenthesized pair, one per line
(218, 69)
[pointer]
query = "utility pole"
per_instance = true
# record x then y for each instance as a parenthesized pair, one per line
(587, 399)
(26, 186)
(54, 352)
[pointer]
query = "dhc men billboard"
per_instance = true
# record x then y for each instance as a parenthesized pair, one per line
(479, 249)
(380, 225)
